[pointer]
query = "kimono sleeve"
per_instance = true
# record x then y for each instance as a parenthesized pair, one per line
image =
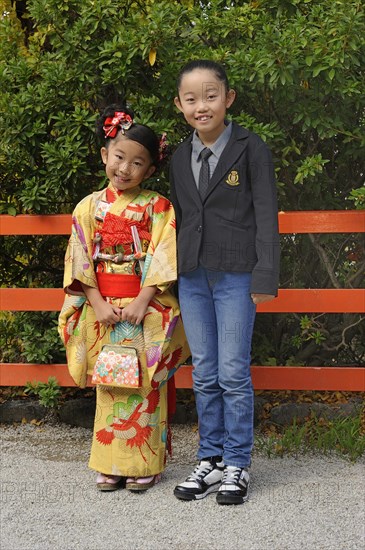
(160, 264)
(174, 199)
(79, 267)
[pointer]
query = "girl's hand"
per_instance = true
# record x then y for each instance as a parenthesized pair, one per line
(106, 313)
(136, 310)
(261, 298)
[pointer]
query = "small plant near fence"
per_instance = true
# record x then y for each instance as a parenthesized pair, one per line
(48, 393)
(345, 436)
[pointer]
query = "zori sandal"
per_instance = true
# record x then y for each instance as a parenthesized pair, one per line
(136, 484)
(109, 482)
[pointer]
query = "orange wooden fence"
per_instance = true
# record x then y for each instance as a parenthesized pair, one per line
(288, 301)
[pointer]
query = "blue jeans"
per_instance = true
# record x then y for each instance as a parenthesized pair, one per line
(218, 316)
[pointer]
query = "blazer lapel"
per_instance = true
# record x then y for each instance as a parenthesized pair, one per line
(232, 151)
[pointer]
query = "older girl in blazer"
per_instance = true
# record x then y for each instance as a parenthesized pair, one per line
(224, 194)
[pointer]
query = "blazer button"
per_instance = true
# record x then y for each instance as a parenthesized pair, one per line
(199, 228)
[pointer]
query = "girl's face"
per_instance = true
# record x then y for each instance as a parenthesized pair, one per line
(203, 100)
(127, 162)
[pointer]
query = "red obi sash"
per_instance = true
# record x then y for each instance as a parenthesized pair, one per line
(118, 286)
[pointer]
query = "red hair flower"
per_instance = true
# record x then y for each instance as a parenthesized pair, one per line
(162, 147)
(120, 120)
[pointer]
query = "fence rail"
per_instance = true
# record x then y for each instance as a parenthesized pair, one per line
(288, 301)
(308, 221)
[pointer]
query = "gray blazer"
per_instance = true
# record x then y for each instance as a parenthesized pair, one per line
(235, 228)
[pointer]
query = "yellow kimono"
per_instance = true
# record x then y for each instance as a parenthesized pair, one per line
(131, 425)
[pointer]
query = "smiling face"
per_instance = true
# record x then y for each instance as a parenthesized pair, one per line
(127, 162)
(204, 100)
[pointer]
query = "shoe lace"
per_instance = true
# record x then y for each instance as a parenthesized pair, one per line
(201, 471)
(231, 475)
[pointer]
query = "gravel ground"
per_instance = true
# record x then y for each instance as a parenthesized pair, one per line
(49, 501)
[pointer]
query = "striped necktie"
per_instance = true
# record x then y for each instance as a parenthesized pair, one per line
(204, 175)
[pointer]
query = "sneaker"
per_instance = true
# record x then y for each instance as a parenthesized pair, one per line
(234, 486)
(205, 479)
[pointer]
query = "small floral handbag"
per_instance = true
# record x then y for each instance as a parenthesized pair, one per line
(117, 366)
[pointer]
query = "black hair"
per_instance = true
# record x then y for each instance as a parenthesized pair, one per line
(216, 68)
(137, 132)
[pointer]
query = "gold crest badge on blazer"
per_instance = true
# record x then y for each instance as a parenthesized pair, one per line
(233, 178)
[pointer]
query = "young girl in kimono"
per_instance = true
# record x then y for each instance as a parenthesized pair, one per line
(119, 265)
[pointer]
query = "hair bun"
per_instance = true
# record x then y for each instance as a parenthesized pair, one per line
(117, 107)
(109, 113)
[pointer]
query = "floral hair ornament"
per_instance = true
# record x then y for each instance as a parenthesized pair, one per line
(163, 146)
(120, 120)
